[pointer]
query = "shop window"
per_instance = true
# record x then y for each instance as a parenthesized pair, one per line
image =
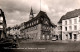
(75, 36)
(70, 35)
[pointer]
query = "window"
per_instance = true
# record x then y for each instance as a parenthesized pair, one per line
(65, 28)
(43, 37)
(37, 21)
(32, 23)
(75, 21)
(47, 37)
(75, 36)
(70, 27)
(1, 26)
(1, 19)
(65, 22)
(60, 27)
(79, 19)
(0, 11)
(75, 27)
(70, 22)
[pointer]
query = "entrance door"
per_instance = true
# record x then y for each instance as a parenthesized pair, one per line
(66, 37)
(70, 35)
(75, 36)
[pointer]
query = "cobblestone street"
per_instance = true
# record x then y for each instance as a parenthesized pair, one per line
(47, 47)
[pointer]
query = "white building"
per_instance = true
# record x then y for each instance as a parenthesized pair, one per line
(71, 26)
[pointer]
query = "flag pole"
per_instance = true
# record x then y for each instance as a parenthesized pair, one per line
(40, 5)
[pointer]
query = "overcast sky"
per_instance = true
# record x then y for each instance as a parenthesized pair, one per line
(17, 11)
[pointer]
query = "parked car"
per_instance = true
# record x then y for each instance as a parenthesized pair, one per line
(54, 39)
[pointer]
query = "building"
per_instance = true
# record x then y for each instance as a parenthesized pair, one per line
(58, 31)
(14, 31)
(39, 27)
(2, 25)
(71, 25)
(22, 32)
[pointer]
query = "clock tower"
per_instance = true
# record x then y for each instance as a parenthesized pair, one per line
(31, 14)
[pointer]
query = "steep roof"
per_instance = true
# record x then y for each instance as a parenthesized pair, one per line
(71, 14)
(41, 14)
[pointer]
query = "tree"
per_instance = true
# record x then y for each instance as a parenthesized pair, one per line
(8, 29)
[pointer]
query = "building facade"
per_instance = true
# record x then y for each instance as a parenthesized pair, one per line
(71, 26)
(39, 27)
(2, 25)
(14, 31)
(58, 31)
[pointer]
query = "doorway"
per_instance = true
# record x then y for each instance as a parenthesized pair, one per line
(70, 34)
(75, 36)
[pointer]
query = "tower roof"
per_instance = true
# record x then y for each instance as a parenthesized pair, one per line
(31, 12)
(40, 15)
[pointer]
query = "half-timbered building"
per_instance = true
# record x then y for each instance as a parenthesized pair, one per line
(39, 27)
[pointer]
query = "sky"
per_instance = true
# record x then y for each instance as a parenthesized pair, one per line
(17, 11)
